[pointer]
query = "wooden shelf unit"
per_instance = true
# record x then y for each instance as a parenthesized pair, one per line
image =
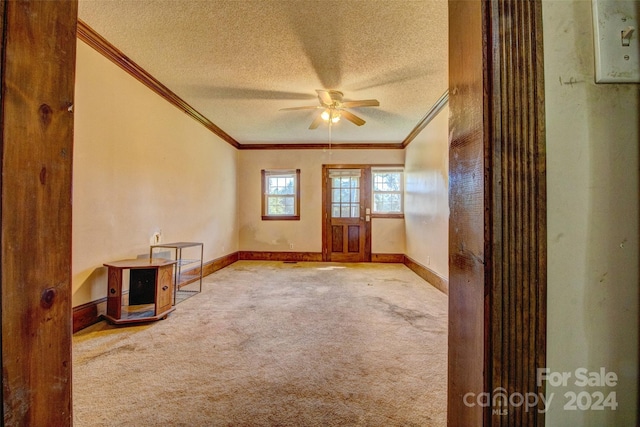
(117, 313)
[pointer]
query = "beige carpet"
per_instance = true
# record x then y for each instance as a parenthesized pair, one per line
(275, 344)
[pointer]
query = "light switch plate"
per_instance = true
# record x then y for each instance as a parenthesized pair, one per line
(615, 62)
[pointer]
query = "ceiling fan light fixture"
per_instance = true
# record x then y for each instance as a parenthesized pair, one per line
(330, 114)
(334, 109)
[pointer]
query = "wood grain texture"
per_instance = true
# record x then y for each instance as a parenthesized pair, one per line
(427, 274)
(219, 263)
(102, 46)
(324, 146)
(497, 248)
(279, 256)
(90, 313)
(87, 314)
(38, 71)
(192, 275)
(388, 258)
(467, 170)
(517, 313)
(339, 236)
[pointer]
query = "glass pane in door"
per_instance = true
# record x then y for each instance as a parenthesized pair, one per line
(345, 195)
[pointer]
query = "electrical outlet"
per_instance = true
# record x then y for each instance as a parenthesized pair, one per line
(156, 238)
(428, 260)
(290, 245)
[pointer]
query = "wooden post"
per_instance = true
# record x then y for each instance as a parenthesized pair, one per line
(38, 72)
(497, 193)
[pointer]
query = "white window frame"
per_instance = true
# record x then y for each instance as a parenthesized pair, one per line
(284, 173)
(387, 214)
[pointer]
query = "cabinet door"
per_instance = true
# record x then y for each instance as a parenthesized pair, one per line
(164, 290)
(114, 297)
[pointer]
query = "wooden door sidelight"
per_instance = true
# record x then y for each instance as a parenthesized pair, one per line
(346, 214)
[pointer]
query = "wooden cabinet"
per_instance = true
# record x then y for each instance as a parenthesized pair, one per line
(149, 295)
(164, 290)
(187, 271)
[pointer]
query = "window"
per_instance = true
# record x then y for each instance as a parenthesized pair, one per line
(387, 191)
(345, 193)
(281, 194)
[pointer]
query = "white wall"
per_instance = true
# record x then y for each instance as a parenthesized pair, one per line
(592, 165)
(141, 165)
(387, 235)
(427, 196)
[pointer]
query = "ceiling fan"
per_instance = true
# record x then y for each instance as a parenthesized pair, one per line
(334, 108)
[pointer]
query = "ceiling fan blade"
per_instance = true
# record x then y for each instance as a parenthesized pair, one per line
(362, 103)
(316, 122)
(325, 97)
(306, 107)
(352, 117)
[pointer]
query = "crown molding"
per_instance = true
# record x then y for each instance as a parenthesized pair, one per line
(433, 111)
(323, 146)
(101, 45)
(89, 36)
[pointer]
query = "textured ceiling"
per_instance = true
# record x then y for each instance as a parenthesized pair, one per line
(239, 62)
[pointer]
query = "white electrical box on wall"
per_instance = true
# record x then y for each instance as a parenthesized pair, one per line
(615, 33)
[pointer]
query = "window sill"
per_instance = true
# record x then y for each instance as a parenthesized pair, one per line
(281, 217)
(389, 215)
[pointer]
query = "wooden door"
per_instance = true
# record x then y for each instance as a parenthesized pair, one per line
(346, 213)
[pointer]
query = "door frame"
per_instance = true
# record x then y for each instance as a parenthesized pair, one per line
(492, 34)
(36, 152)
(326, 208)
(497, 200)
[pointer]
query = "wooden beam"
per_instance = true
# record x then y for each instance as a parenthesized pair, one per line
(38, 72)
(467, 205)
(497, 229)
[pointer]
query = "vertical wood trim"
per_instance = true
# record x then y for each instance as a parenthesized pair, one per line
(517, 315)
(367, 188)
(326, 229)
(39, 37)
(3, 6)
(263, 192)
(467, 170)
(497, 184)
(298, 185)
